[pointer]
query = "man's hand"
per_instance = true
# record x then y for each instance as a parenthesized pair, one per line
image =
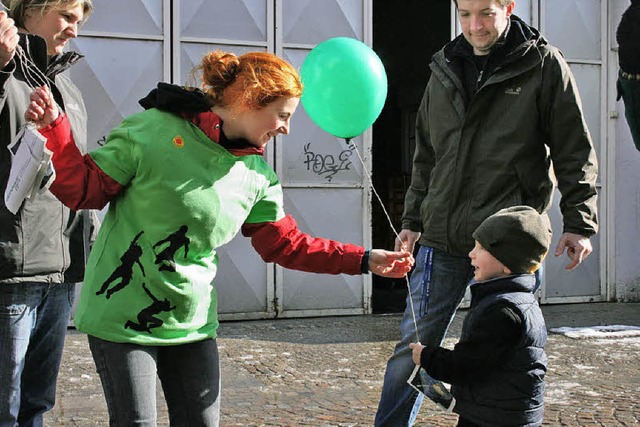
(390, 264)
(406, 240)
(8, 39)
(578, 248)
(42, 110)
(416, 351)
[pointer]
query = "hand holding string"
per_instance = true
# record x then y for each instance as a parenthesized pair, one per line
(390, 264)
(8, 39)
(42, 109)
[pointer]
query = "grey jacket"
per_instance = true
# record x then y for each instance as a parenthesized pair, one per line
(35, 243)
(477, 153)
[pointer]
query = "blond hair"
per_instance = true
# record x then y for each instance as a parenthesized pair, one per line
(18, 8)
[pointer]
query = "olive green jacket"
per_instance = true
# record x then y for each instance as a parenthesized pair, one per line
(478, 154)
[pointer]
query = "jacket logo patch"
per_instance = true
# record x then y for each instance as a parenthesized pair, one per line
(513, 90)
(178, 141)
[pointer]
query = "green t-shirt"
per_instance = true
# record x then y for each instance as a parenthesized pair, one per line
(150, 274)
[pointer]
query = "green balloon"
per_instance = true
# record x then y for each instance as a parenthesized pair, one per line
(345, 86)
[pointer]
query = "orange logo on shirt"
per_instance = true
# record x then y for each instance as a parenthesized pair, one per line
(178, 141)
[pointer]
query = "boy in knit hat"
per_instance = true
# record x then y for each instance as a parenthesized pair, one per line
(497, 369)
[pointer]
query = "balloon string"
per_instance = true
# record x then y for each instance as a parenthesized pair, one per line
(373, 189)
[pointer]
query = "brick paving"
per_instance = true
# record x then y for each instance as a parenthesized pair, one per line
(328, 372)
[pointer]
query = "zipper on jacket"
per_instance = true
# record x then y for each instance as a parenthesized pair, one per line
(63, 227)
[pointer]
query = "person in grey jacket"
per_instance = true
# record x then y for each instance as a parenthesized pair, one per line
(501, 105)
(41, 245)
(497, 368)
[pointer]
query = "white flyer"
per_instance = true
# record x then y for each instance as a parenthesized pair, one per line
(30, 163)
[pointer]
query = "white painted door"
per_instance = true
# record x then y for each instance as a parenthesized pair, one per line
(560, 22)
(325, 185)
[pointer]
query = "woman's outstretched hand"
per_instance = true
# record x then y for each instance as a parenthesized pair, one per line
(390, 264)
(42, 109)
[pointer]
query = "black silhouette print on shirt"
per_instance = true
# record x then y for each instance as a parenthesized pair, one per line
(124, 271)
(166, 257)
(147, 317)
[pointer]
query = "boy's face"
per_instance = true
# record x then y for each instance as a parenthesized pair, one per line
(486, 265)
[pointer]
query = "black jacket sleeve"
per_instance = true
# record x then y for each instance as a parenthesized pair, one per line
(628, 38)
(483, 352)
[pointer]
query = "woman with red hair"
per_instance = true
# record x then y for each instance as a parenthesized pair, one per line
(182, 178)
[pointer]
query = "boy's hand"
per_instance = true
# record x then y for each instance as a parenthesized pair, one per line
(42, 110)
(416, 352)
(390, 264)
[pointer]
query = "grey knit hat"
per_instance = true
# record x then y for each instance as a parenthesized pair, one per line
(519, 237)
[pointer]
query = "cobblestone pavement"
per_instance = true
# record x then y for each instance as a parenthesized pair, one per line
(328, 372)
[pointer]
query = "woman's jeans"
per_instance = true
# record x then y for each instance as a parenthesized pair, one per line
(189, 374)
(33, 323)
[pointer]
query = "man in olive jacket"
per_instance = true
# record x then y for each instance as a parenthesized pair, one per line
(500, 106)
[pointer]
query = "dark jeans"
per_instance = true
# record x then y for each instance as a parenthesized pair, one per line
(630, 92)
(33, 322)
(189, 374)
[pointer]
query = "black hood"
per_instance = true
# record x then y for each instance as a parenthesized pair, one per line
(517, 40)
(176, 99)
(190, 101)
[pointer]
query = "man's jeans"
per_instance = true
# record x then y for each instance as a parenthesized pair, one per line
(33, 324)
(629, 90)
(189, 373)
(450, 276)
